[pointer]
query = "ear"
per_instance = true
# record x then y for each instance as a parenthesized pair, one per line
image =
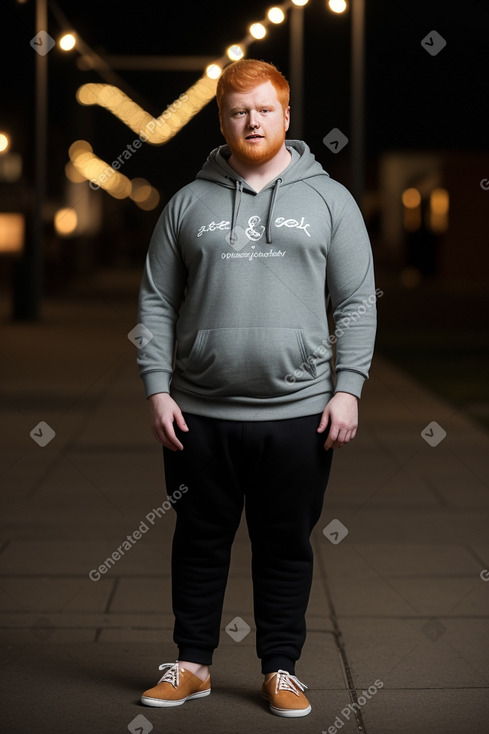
(287, 118)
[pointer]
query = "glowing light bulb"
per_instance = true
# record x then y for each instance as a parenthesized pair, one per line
(276, 15)
(213, 71)
(258, 30)
(4, 142)
(337, 6)
(235, 52)
(67, 42)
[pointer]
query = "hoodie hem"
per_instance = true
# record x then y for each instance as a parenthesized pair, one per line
(226, 409)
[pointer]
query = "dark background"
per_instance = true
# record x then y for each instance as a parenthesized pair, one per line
(413, 102)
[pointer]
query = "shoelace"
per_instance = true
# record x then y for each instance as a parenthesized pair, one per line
(172, 675)
(287, 682)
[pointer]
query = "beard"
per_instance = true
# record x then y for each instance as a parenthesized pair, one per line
(256, 153)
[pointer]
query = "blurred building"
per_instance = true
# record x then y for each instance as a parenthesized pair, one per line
(433, 210)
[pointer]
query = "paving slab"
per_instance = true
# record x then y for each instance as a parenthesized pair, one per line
(80, 557)
(446, 711)
(147, 595)
(402, 597)
(396, 488)
(481, 550)
(409, 603)
(103, 683)
(55, 627)
(370, 524)
(396, 559)
(418, 653)
(53, 594)
(356, 560)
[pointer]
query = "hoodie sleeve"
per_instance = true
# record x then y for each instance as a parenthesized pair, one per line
(350, 280)
(160, 297)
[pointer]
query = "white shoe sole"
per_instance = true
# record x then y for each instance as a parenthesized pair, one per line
(290, 713)
(161, 702)
(287, 713)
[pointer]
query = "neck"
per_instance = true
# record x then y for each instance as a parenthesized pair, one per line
(259, 174)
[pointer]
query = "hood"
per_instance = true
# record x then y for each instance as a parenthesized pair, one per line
(217, 169)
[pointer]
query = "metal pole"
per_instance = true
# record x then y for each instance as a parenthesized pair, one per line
(296, 72)
(28, 284)
(357, 102)
(41, 157)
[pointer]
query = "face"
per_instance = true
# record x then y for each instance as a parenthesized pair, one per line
(254, 124)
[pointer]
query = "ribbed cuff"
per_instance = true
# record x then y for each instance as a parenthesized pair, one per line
(156, 381)
(349, 381)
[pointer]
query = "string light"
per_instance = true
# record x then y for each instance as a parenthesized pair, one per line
(213, 71)
(150, 129)
(89, 167)
(337, 6)
(235, 52)
(79, 145)
(4, 142)
(100, 173)
(276, 15)
(72, 174)
(258, 30)
(144, 195)
(67, 42)
(156, 131)
(160, 130)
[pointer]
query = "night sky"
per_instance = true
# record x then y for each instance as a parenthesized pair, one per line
(413, 100)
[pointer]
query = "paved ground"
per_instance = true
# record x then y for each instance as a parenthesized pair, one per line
(398, 608)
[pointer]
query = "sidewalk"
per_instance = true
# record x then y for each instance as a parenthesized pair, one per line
(399, 614)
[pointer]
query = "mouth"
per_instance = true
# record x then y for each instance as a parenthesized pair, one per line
(254, 136)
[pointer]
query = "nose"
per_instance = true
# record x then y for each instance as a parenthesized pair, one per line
(253, 120)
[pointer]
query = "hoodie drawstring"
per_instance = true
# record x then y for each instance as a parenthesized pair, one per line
(238, 190)
(237, 201)
(270, 210)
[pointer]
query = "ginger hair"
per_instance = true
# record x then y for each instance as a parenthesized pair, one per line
(244, 75)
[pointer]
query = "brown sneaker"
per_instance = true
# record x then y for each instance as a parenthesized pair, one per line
(284, 694)
(175, 687)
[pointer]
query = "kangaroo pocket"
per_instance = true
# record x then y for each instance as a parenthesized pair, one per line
(250, 361)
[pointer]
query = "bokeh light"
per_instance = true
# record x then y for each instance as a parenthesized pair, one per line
(4, 142)
(213, 71)
(235, 52)
(276, 15)
(65, 221)
(258, 30)
(337, 6)
(67, 42)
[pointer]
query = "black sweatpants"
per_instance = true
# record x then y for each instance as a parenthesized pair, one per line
(277, 470)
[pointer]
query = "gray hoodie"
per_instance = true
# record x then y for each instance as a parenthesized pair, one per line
(235, 289)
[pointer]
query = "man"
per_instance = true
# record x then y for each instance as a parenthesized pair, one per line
(238, 373)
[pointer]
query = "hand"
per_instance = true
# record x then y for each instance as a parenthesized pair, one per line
(342, 414)
(164, 412)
